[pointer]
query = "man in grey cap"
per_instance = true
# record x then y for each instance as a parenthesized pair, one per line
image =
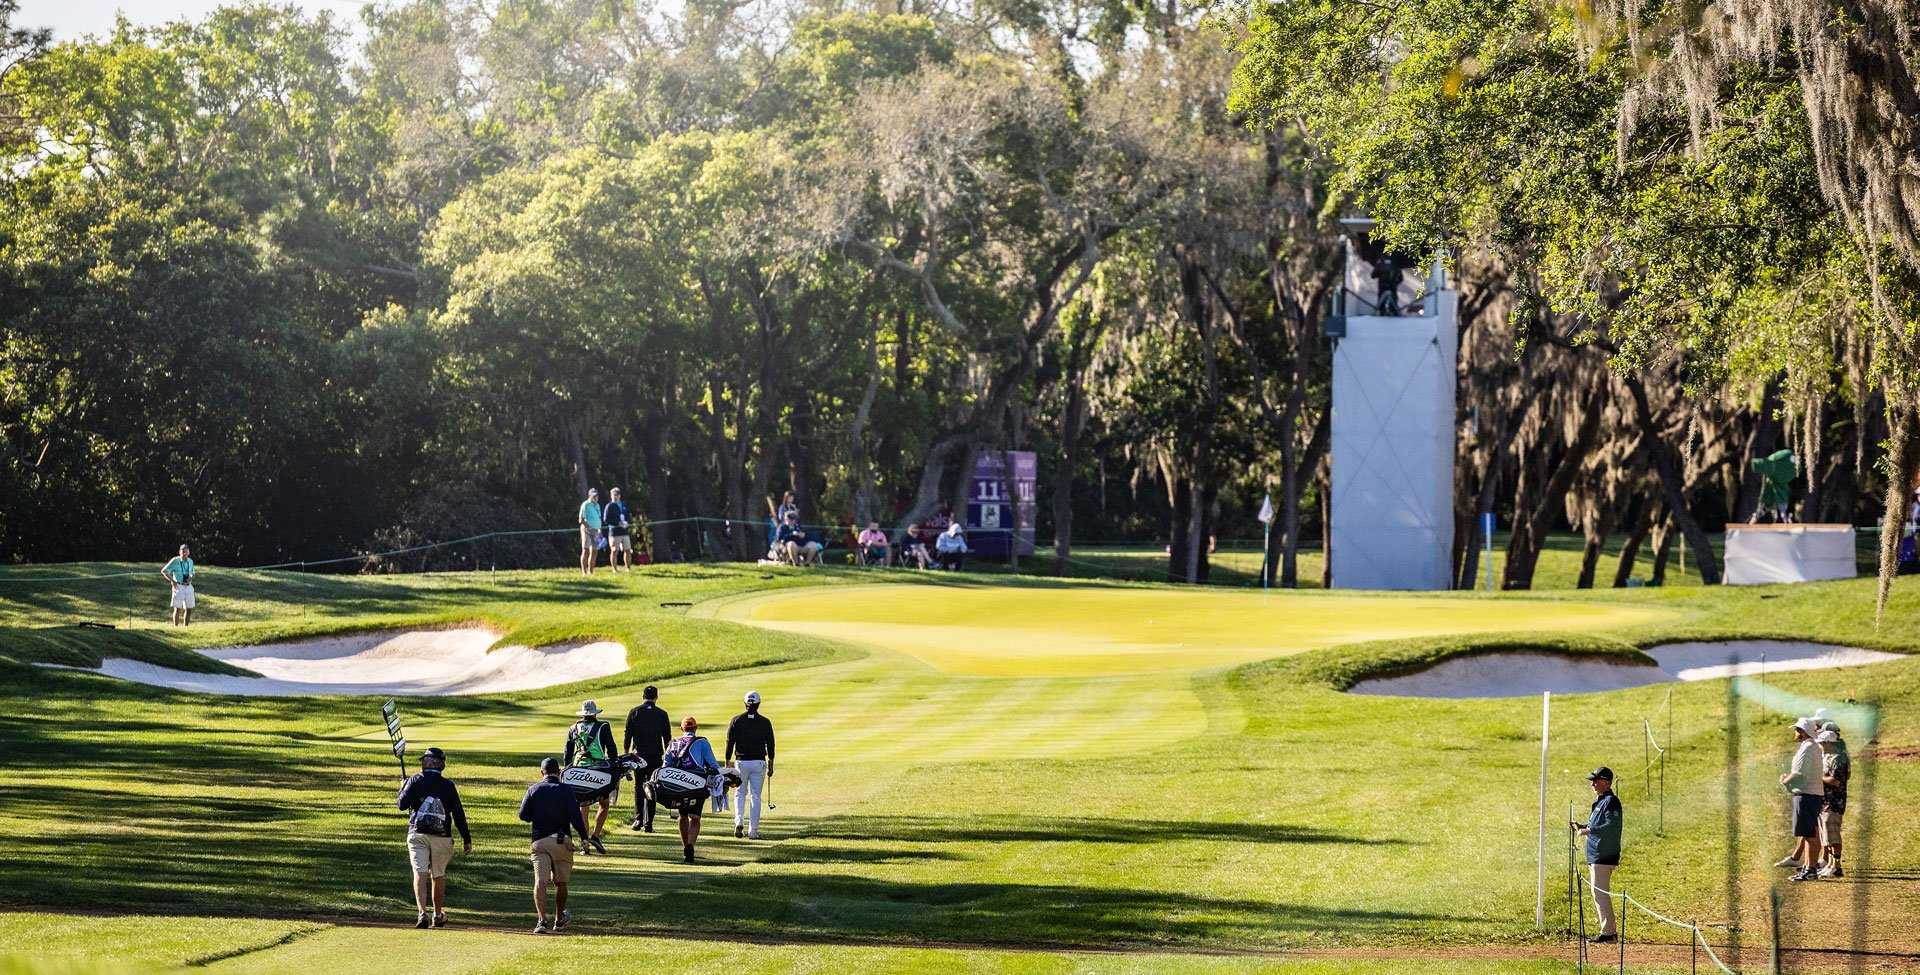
(1802, 781)
(1605, 822)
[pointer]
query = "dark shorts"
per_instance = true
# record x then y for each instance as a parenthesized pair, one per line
(1806, 816)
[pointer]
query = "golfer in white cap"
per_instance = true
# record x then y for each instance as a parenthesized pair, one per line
(590, 744)
(750, 738)
(1802, 781)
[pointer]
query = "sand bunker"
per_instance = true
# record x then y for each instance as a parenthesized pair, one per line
(408, 663)
(1525, 674)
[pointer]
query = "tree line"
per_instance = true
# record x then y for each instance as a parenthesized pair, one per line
(287, 288)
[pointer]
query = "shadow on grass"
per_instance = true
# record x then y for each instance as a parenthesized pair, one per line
(1035, 829)
(860, 907)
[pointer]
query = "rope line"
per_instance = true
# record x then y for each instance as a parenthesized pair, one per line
(1693, 929)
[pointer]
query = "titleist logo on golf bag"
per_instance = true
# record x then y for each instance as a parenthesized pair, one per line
(682, 780)
(587, 779)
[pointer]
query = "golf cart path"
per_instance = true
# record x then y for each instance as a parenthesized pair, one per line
(337, 939)
(1522, 673)
(455, 661)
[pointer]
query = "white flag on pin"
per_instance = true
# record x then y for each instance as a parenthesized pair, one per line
(1266, 510)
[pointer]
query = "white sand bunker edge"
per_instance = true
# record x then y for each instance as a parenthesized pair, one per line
(1521, 674)
(419, 662)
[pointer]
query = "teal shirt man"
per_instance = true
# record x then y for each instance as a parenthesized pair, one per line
(590, 522)
(179, 575)
(179, 570)
(590, 514)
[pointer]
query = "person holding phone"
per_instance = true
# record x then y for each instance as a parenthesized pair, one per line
(1605, 822)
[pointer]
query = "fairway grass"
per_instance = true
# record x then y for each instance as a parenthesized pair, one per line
(943, 811)
(1087, 631)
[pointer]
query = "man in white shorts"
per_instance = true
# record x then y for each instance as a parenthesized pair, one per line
(619, 527)
(179, 575)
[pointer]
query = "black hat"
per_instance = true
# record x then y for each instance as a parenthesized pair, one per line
(1602, 772)
(651, 692)
(550, 766)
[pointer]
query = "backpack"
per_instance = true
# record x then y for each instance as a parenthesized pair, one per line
(431, 817)
(587, 748)
(680, 754)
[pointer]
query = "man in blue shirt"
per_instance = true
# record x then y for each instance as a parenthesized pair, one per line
(619, 531)
(434, 812)
(1604, 825)
(550, 809)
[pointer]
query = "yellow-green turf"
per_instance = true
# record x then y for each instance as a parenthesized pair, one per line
(1004, 631)
(938, 807)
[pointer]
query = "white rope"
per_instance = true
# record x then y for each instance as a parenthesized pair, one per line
(1692, 929)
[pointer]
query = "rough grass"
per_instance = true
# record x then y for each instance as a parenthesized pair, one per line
(1186, 809)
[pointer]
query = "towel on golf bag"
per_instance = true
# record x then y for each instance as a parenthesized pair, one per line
(590, 784)
(721, 786)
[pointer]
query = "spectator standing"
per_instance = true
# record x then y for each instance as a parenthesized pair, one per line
(589, 531)
(750, 739)
(1836, 768)
(1802, 781)
(647, 733)
(951, 549)
(550, 809)
(874, 546)
(1605, 823)
(179, 575)
(619, 531)
(434, 812)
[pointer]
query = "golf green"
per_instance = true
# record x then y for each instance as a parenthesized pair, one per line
(1026, 631)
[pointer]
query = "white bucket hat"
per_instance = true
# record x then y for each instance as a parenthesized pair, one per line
(1807, 726)
(589, 709)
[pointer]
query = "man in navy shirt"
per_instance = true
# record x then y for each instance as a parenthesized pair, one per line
(1604, 825)
(619, 531)
(549, 807)
(434, 812)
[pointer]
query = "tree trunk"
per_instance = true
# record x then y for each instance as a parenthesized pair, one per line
(1764, 439)
(1523, 556)
(1667, 465)
(659, 506)
(1902, 448)
(1326, 528)
(1640, 519)
(1662, 551)
(1182, 525)
(1291, 487)
(1469, 576)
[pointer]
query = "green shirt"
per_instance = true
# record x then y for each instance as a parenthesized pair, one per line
(180, 570)
(590, 514)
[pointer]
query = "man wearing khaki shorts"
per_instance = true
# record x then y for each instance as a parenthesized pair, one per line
(551, 809)
(433, 811)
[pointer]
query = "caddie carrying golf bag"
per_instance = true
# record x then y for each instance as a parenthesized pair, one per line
(680, 780)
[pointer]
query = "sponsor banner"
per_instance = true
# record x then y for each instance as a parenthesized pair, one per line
(1002, 502)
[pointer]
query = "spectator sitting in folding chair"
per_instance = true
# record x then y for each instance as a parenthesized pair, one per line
(873, 546)
(796, 546)
(919, 549)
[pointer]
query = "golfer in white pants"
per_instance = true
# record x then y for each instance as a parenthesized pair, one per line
(750, 747)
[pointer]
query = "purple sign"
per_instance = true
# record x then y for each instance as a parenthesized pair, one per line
(1002, 501)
